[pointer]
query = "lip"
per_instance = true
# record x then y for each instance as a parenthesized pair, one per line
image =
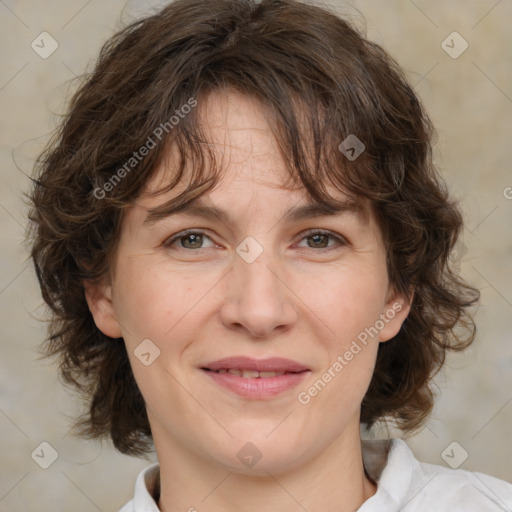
(273, 364)
(256, 388)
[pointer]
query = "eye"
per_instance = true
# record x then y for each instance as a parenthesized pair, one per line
(321, 238)
(189, 239)
(194, 239)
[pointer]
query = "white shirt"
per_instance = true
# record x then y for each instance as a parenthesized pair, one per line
(404, 484)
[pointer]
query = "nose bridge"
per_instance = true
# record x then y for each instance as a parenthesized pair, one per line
(254, 266)
(258, 299)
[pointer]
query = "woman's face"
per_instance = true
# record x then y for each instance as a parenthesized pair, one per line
(253, 284)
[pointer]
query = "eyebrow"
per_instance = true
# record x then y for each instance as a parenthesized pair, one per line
(195, 208)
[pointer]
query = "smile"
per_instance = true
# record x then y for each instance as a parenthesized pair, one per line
(250, 374)
(255, 379)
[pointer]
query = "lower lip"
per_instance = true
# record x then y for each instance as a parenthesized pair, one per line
(258, 388)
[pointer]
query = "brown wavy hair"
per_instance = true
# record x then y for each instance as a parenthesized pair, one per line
(319, 80)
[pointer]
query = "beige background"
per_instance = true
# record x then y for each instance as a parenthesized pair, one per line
(470, 101)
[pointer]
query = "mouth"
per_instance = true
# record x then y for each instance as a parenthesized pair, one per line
(250, 374)
(246, 365)
(256, 378)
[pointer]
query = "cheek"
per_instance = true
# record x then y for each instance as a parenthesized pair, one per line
(347, 305)
(143, 300)
(161, 303)
(347, 300)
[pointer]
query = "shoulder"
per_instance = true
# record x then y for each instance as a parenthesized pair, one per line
(147, 490)
(408, 485)
(128, 507)
(458, 489)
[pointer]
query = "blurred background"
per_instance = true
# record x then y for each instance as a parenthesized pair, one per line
(457, 55)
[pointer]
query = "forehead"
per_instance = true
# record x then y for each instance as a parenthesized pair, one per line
(234, 129)
(246, 162)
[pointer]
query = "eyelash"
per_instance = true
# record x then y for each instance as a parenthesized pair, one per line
(309, 233)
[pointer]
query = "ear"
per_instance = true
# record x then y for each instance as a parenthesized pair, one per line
(99, 299)
(395, 312)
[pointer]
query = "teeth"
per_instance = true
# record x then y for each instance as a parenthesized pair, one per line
(270, 374)
(251, 374)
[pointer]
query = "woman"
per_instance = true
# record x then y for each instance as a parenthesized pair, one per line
(250, 263)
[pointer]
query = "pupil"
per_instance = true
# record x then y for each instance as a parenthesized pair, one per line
(316, 237)
(194, 238)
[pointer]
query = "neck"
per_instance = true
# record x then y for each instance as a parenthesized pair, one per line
(332, 481)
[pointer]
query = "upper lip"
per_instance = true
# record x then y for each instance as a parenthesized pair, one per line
(273, 364)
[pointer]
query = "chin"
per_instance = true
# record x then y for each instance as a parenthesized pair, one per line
(259, 456)
(270, 463)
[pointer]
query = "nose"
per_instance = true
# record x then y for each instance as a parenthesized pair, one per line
(259, 298)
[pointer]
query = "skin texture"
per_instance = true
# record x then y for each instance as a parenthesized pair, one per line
(296, 300)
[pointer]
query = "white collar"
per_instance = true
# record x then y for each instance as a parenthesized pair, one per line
(403, 484)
